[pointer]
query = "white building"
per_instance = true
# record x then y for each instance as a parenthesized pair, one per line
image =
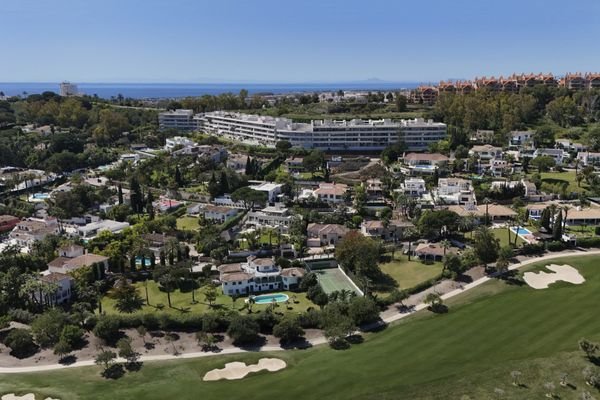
(257, 275)
(558, 155)
(414, 187)
(455, 191)
(63, 292)
(354, 134)
(271, 216)
(588, 158)
(334, 193)
(520, 138)
(68, 89)
(182, 120)
(91, 230)
(325, 234)
(218, 213)
(486, 152)
(271, 189)
(29, 231)
(178, 141)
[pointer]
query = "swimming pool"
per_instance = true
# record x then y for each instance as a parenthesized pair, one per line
(40, 196)
(521, 231)
(147, 261)
(269, 298)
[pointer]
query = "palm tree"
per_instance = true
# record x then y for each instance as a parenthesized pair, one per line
(565, 208)
(487, 202)
(171, 248)
(445, 245)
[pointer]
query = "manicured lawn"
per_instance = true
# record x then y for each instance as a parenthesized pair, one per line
(182, 301)
(502, 234)
(567, 177)
(187, 223)
(407, 274)
(493, 330)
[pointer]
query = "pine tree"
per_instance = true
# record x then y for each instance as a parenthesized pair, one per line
(557, 231)
(223, 183)
(120, 194)
(545, 219)
(248, 170)
(213, 187)
(178, 178)
(149, 205)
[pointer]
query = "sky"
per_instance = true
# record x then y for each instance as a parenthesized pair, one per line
(289, 41)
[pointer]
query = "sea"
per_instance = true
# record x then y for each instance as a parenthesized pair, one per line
(178, 90)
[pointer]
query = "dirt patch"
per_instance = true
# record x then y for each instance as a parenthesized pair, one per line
(239, 370)
(541, 279)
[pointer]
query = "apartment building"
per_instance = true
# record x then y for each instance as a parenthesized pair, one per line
(68, 89)
(355, 134)
(180, 119)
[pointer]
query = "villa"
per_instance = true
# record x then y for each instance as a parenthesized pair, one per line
(219, 214)
(91, 230)
(495, 212)
(29, 231)
(413, 187)
(8, 222)
(424, 162)
(331, 192)
(455, 191)
(276, 216)
(257, 275)
(520, 138)
(589, 158)
(394, 230)
(63, 291)
(433, 251)
(272, 190)
(325, 234)
(74, 257)
(486, 152)
(558, 155)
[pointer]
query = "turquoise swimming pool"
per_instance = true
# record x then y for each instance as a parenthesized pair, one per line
(40, 196)
(269, 298)
(521, 231)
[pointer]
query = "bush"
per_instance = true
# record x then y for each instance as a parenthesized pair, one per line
(556, 245)
(588, 242)
(532, 248)
(243, 329)
(20, 315)
(72, 335)
(20, 342)
(288, 330)
(47, 327)
(597, 230)
(311, 319)
(266, 321)
(363, 310)
(107, 328)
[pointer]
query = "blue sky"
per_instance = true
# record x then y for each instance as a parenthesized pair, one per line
(293, 40)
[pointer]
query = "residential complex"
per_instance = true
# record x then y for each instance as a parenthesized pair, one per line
(68, 89)
(355, 134)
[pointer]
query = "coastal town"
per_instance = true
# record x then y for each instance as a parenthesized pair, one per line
(302, 200)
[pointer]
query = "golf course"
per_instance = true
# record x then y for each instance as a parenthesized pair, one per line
(467, 353)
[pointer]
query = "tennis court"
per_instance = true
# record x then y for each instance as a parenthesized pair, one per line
(332, 279)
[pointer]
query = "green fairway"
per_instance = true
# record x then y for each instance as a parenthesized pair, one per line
(488, 332)
(567, 178)
(333, 280)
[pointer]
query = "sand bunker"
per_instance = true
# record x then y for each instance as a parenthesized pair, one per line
(541, 280)
(238, 370)
(28, 396)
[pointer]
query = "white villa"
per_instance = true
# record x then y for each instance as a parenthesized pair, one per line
(257, 275)
(455, 191)
(414, 187)
(92, 229)
(276, 216)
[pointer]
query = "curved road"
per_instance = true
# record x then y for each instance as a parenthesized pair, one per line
(314, 342)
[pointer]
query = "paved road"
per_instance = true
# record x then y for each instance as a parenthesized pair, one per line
(387, 317)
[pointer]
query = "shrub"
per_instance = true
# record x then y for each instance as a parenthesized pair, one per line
(556, 245)
(588, 242)
(532, 248)
(597, 230)
(72, 335)
(311, 319)
(266, 321)
(20, 342)
(288, 330)
(243, 329)
(47, 327)
(363, 310)
(107, 328)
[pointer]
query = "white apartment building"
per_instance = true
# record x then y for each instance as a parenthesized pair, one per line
(354, 134)
(558, 155)
(68, 89)
(180, 119)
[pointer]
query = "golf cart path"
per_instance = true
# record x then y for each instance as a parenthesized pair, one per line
(387, 316)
